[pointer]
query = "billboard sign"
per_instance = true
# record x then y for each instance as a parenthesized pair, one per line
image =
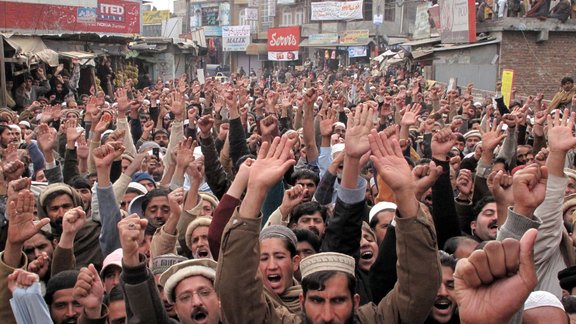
(235, 38)
(283, 56)
(336, 10)
(39, 17)
(284, 39)
(457, 21)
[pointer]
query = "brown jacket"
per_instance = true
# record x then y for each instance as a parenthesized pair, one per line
(241, 290)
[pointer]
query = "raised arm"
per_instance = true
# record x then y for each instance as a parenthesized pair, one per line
(239, 253)
(413, 295)
(109, 209)
(309, 135)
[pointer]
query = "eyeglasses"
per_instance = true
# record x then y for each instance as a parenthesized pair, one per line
(187, 296)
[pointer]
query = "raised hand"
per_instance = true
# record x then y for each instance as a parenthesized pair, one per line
(46, 137)
(560, 136)
(107, 153)
(131, 231)
(390, 163)
(205, 124)
(464, 184)
(176, 199)
(500, 185)
(425, 175)
(13, 170)
(327, 121)
(529, 188)
(177, 106)
(82, 150)
(72, 131)
(359, 126)
(310, 98)
(496, 280)
(292, 198)
(73, 220)
(274, 159)
(410, 114)
(269, 126)
(21, 215)
(103, 123)
(492, 136)
(89, 291)
(21, 279)
(40, 265)
(185, 153)
(195, 170)
(442, 143)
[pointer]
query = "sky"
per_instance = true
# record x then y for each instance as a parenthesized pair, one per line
(163, 4)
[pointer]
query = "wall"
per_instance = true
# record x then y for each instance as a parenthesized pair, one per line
(538, 67)
(469, 65)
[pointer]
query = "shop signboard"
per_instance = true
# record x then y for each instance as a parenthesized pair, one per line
(283, 56)
(357, 51)
(355, 37)
(323, 39)
(235, 38)
(336, 10)
(155, 17)
(39, 17)
(284, 39)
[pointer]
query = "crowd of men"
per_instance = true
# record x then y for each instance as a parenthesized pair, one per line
(330, 197)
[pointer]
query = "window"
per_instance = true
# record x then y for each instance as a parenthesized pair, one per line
(389, 10)
(243, 21)
(299, 17)
(286, 17)
(265, 20)
(367, 10)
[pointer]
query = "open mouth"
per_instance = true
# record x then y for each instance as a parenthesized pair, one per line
(443, 303)
(366, 255)
(72, 320)
(202, 253)
(274, 278)
(199, 315)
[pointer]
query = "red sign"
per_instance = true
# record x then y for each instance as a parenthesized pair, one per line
(284, 39)
(94, 16)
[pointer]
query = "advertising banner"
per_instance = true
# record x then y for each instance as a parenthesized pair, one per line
(283, 56)
(212, 31)
(336, 10)
(155, 17)
(355, 37)
(284, 39)
(251, 13)
(507, 83)
(38, 17)
(323, 39)
(357, 51)
(224, 14)
(235, 38)
(457, 21)
(422, 24)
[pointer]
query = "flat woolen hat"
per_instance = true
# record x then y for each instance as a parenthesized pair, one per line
(327, 261)
(180, 271)
(279, 231)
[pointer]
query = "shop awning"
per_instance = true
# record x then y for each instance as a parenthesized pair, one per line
(365, 43)
(421, 53)
(257, 49)
(306, 43)
(34, 49)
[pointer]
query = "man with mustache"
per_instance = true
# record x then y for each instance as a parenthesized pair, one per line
(485, 226)
(309, 215)
(444, 309)
(189, 285)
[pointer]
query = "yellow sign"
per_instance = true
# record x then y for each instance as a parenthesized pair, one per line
(355, 37)
(155, 17)
(507, 81)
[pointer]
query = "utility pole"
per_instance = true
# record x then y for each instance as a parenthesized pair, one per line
(3, 99)
(187, 18)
